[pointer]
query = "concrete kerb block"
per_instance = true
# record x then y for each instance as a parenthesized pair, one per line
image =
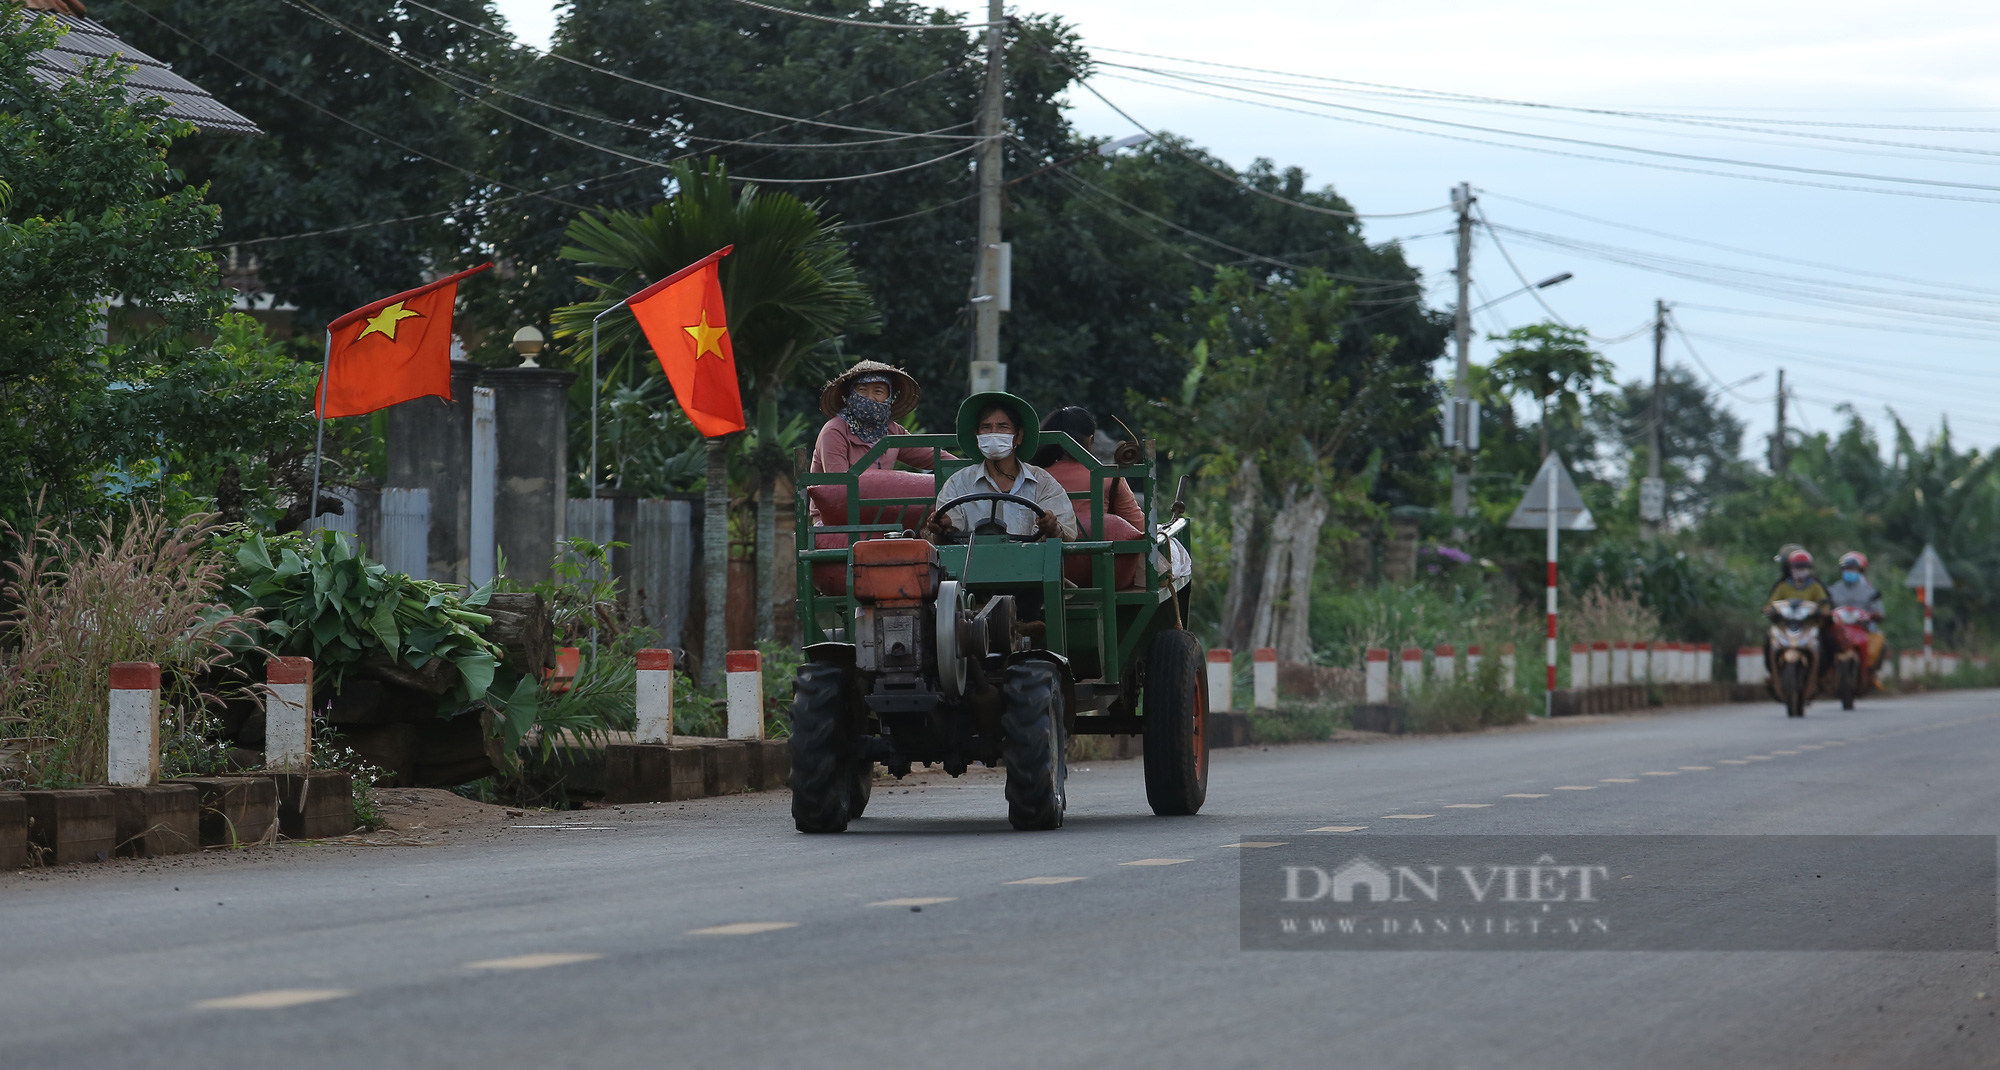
(1264, 678)
(288, 715)
(156, 819)
(770, 764)
(132, 727)
(1375, 673)
(655, 700)
(314, 805)
(71, 825)
(13, 831)
(725, 767)
(236, 811)
(1221, 680)
(744, 670)
(652, 772)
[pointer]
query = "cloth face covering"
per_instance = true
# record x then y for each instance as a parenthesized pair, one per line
(996, 446)
(1851, 576)
(869, 418)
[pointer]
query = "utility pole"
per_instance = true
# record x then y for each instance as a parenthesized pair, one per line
(988, 283)
(1653, 490)
(1459, 427)
(1780, 457)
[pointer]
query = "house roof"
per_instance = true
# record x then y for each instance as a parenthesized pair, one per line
(88, 40)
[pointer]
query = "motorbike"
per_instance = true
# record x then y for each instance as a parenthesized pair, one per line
(1852, 674)
(1794, 647)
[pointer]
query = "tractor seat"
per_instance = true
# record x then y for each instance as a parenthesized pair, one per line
(830, 577)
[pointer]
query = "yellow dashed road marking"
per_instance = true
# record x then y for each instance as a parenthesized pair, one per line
(1698, 768)
(1524, 795)
(1407, 817)
(744, 928)
(916, 901)
(1338, 828)
(534, 962)
(1619, 780)
(1576, 787)
(1156, 862)
(1257, 843)
(273, 999)
(1466, 806)
(1658, 772)
(1045, 880)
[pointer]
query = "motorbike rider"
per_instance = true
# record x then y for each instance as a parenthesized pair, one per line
(1798, 582)
(1853, 589)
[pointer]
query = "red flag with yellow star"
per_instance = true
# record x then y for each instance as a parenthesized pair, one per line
(391, 350)
(683, 318)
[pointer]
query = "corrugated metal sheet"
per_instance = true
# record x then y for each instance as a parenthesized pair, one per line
(88, 40)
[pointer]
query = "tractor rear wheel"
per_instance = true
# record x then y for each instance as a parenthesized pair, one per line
(1176, 739)
(822, 754)
(1031, 725)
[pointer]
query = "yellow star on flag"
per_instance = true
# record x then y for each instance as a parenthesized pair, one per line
(384, 322)
(706, 337)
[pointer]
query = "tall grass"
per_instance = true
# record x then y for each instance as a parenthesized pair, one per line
(145, 590)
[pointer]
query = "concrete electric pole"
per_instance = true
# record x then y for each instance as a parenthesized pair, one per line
(1780, 456)
(1460, 431)
(1653, 489)
(990, 275)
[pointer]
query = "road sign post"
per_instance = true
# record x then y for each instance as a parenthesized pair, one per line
(1928, 575)
(1552, 503)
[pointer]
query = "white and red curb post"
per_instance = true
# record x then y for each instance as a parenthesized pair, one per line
(1507, 666)
(1579, 666)
(1221, 680)
(655, 700)
(1641, 671)
(1621, 663)
(1749, 665)
(1600, 663)
(1264, 677)
(132, 733)
(1473, 655)
(1444, 663)
(1413, 669)
(1376, 676)
(745, 683)
(1704, 662)
(288, 714)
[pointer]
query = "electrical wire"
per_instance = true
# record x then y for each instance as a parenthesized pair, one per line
(1533, 290)
(1696, 354)
(1858, 324)
(869, 25)
(684, 94)
(1566, 154)
(1233, 179)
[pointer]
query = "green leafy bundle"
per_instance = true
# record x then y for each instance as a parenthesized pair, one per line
(316, 596)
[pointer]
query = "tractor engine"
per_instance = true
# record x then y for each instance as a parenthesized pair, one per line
(896, 583)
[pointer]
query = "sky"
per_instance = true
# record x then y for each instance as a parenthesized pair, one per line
(1883, 300)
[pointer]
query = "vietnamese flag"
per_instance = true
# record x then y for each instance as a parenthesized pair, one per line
(683, 318)
(391, 350)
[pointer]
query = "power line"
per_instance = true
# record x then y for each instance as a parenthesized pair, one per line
(1226, 176)
(868, 25)
(1858, 324)
(1533, 290)
(1566, 154)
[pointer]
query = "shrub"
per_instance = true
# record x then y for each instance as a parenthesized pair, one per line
(1466, 703)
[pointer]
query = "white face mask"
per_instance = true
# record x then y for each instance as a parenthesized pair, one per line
(996, 446)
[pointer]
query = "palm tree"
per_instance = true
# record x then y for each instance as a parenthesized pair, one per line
(1550, 363)
(788, 286)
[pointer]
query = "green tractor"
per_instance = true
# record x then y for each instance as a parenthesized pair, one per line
(919, 652)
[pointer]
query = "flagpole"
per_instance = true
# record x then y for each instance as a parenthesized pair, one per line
(319, 441)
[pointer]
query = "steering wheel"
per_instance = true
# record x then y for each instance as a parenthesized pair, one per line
(984, 496)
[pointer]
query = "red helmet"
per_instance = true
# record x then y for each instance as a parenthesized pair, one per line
(1854, 559)
(1798, 557)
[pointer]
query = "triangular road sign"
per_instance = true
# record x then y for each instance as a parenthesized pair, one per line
(1929, 568)
(1571, 513)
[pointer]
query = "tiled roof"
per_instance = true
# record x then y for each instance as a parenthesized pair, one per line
(88, 40)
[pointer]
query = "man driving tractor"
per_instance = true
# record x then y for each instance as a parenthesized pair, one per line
(1002, 431)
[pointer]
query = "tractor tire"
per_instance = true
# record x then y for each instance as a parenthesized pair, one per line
(1031, 726)
(1176, 725)
(860, 789)
(1850, 682)
(822, 754)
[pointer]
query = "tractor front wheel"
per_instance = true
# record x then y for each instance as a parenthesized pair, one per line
(822, 754)
(1176, 739)
(1031, 724)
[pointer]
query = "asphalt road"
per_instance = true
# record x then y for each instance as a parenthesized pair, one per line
(711, 935)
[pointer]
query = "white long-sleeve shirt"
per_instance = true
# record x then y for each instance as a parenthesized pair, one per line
(1033, 484)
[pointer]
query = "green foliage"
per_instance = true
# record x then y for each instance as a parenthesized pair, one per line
(1554, 365)
(1468, 702)
(317, 596)
(1295, 722)
(95, 210)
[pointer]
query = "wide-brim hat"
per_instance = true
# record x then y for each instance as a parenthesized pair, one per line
(907, 392)
(968, 422)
